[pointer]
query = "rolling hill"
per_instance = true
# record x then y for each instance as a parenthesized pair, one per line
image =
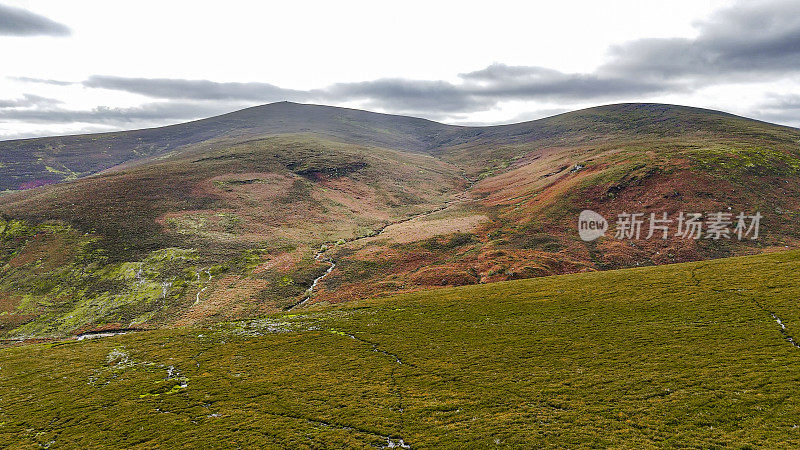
(687, 355)
(239, 215)
(33, 162)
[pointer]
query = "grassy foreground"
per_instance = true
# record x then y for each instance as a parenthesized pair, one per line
(680, 355)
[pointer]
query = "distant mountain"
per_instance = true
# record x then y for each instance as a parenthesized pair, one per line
(29, 163)
(32, 162)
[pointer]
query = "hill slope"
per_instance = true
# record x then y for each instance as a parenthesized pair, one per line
(278, 199)
(674, 356)
(534, 179)
(139, 246)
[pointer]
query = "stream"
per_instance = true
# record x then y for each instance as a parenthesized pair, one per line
(320, 255)
(199, 283)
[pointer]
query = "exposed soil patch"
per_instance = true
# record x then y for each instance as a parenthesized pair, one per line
(421, 229)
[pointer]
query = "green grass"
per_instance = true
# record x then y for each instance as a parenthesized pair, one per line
(679, 355)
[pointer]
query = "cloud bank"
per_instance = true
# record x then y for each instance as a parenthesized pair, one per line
(21, 22)
(747, 43)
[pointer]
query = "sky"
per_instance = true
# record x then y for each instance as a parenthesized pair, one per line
(92, 66)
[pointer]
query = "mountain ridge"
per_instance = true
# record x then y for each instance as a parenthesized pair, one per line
(242, 225)
(421, 119)
(37, 161)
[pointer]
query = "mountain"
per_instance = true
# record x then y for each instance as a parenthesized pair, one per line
(240, 215)
(33, 162)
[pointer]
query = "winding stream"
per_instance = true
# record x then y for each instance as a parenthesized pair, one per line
(199, 283)
(320, 256)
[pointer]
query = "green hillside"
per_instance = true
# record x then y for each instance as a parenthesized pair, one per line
(688, 355)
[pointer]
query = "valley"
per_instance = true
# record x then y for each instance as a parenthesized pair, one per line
(361, 225)
(228, 222)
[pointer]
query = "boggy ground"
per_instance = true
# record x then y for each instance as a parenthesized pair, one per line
(688, 355)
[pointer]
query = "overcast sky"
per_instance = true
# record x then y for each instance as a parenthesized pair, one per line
(84, 66)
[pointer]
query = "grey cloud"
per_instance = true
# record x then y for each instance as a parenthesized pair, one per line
(479, 91)
(191, 99)
(538, 114)
(780, 108)
(523, 117)
(149, 113)
(499, 72)
(409, 96)
(541, 83)
(21, 22)
(195, 89)
(484, 89)
(782, 101)
(404, 94)
(27, 101)
(740, 43)
(42, 81)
